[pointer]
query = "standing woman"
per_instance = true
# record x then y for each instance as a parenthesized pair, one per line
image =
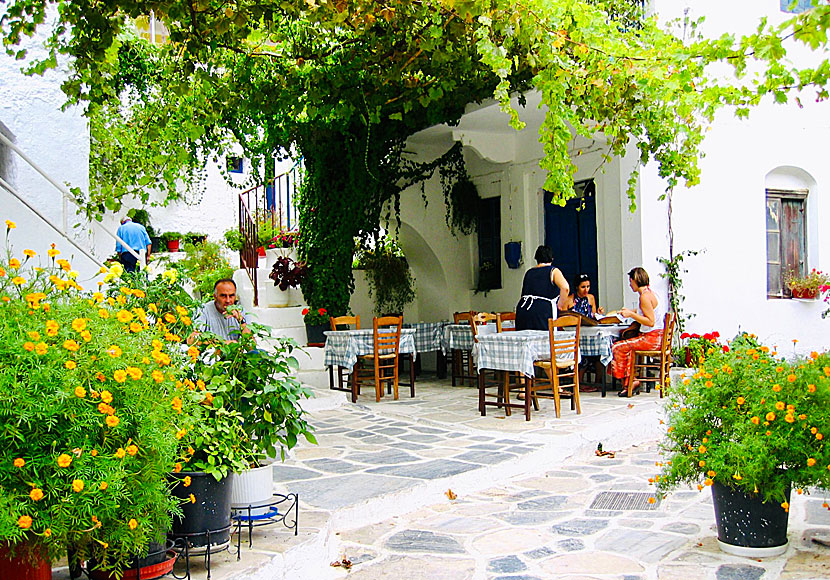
(544, 289)
(650, 317)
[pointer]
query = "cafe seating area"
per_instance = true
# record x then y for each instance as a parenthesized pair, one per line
(499, 368)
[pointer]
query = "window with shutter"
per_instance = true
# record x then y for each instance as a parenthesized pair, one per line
(786, 239)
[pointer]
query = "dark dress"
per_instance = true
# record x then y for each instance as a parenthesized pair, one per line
(582, 306)
(538, 301)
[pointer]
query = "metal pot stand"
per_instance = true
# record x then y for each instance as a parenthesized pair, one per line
(283, 509)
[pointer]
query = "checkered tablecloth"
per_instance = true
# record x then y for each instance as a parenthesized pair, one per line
(516, 351)
(344, 346)
(460, 336)
(428, 335)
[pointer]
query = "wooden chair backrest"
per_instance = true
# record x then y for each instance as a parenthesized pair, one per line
(462, 317)
(387, 343)
(560, 347)
(352, 321)
(668, 334)
(478, 319)
(501, 317)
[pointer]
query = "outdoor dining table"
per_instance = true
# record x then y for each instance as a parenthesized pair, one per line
(343, 347)
(428, 338)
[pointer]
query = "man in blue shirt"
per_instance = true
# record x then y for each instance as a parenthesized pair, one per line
(136, 237)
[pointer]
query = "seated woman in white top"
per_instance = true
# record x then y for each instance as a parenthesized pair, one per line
(650, 317)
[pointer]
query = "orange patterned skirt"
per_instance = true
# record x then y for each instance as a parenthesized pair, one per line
(623, 362)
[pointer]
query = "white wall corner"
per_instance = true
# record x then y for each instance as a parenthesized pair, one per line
(494, 147)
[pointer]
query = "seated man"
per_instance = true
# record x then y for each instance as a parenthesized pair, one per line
(215, 316)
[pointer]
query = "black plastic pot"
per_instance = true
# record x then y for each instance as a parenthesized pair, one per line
(207, 520)
(746, 521)
(315, 335)
(157, 562)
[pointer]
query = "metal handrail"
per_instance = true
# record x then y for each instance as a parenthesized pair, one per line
(68, 196)
(253, 203)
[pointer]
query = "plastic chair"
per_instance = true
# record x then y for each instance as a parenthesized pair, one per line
(648, 363)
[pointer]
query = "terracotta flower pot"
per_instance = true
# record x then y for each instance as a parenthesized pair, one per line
(172, 245)
(24, 565)
(804, 294)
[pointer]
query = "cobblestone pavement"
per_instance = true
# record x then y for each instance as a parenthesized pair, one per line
(532, 501)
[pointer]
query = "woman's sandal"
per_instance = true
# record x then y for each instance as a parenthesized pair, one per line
(634, 391)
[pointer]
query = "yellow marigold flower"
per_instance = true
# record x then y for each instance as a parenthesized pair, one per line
(52, 252)
(741, 400)
(819, 436)
(139, 294)
(18, 280)
(103, 486)
(34, 335)
(789, 418)
(811, 462)
(827, 371)
(707, 481)
(10, 224)
(132, 450)
(36, 494)
(19, 462)
(157, 375)
(102, 313)
(79, 324)
(133, 524)
(785, 505)
(177, 404)
(64, 460)
(114, 351)
(41, 348)
(30, 346)
(177, 468)
(702, 449)
(29, 253)
(187, 481)
(208, 397)
(770, 416)
(135, 373)
(192, 498)
(737, 477)
(701, 463)
(193, 352)
(71, 345)
(120, 453)
(70, 364)
(47, 532)
(77, 485)
(169, 318)
(25, 522)
(14, 263)
(153, 308)
(779, 405)
(2, 272)
(135, 327)
(181, 310)
(776, 387)
(86, 335)
(106, 409)
(106, 396)
(186, 320)
(80, 392)
(181, 433)
(124, 315)
(112, 421)
(120, 375)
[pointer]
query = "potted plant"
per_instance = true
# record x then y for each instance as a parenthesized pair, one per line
(286, 273)
(87, 401)
(195, 238)
(389, 278)
(172, 240)
(261, 387)
(692, 351)
(807, 287)
(316, 323)
(752, 426)
(233, 239)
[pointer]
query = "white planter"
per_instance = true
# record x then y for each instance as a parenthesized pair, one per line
(676, 374)
(274, 253)
(276, 298)
(253, 487)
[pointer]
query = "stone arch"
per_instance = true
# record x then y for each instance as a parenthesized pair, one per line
(430, 278)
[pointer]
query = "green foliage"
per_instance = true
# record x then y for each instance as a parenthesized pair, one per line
(390, 280)
(171, 236)
(218, 439)
(140, 216)
(204, 264)
(751, 421)
(673, 272)
(233, 239)
(261, 386)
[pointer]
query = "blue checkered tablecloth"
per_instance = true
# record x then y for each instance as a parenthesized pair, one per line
(460, 336)
(428, 335)
(516, 351)
(344, 346)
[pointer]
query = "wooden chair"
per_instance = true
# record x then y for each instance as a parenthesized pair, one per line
(382, 365)
(503, 317)
(337, 323)
(652, 366)
(563, 364)
(462, 360)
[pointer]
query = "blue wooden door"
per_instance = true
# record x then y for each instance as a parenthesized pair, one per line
(571, 231)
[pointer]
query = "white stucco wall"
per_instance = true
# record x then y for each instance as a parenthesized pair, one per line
(57, 141)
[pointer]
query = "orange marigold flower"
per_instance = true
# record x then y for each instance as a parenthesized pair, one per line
(29, 253)
(70, 364)
(112, 421)
(41, 348)
(106, 396)
(135, 373)
(785, 505)
(813, 430)
(811, 388)
(177, 468)
(71, 345)
(791, 378)
(741, 400)
(192, 498)
(86, 335)
(776, 387)
(120, 453)
(77, 485)
(702, 449)
(19, 462)
(789, 418)
(114, 351)
(780, 405)
(770, 416)
(701, 463)
(64, 460)
(79, 324)
(103, 486)
(181, 433)
(811, 462)
(120, 375)
(135, 327)
(132, 450)
(711, 473)
(707, 481)
(133, 524)
(177, 404)
(106, 409)
(48, 531)
(187, 481)
(124, 315)
(80, 392)
(36, 494)
(25, 522)
(157, 375)
(168, 317)
(819, 436)
(94, 453)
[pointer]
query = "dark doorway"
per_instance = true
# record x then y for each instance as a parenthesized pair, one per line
(571, 231)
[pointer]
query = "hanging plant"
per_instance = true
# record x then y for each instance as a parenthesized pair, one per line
(462, 207)
(390, 280)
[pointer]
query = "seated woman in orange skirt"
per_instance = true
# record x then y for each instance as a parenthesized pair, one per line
(650, 317)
